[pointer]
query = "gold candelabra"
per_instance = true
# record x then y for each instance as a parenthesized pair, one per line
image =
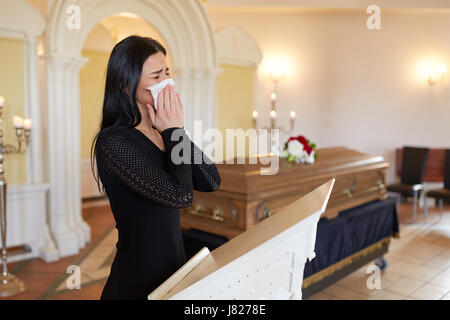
(9, 284)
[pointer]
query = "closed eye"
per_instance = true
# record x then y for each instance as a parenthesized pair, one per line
(167, 74)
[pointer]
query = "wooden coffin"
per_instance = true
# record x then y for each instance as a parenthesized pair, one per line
(246, 197)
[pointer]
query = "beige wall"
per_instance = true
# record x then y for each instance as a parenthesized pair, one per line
(351, 86)
(92, 82)
(235, 91)
(235, 103)
(12, 89)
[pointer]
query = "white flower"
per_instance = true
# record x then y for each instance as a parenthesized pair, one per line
(295, 148)
(311, 157)
(304, 156)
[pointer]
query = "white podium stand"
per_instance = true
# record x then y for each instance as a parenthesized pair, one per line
(265, 262)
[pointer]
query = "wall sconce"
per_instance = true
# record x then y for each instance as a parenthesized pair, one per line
(278, 75)
(277, 68)
(435, 73)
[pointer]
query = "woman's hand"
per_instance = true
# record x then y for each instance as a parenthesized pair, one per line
(170, 111)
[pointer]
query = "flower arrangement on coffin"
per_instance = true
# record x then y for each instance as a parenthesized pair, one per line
(300, 150)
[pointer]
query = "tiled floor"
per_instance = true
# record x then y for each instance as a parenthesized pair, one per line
(418, 264)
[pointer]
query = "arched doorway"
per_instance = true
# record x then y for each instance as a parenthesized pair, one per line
(187, 31)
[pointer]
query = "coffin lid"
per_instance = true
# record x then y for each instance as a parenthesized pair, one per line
(247, 178)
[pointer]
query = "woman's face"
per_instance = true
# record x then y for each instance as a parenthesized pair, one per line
(154, 71)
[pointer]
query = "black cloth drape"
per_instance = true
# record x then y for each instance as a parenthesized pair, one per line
(351, 231)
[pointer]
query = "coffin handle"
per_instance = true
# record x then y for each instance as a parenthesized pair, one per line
(380, 180)
(215, 214)
(267, 212)
(348, 192)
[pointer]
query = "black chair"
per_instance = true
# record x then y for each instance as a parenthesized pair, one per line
(413, 169)
(440, 194)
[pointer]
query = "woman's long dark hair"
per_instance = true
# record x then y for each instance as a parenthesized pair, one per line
(122, 79)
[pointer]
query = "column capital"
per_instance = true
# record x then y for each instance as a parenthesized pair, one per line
(64, 60)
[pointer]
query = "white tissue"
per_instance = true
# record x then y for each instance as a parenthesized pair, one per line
(156, 89)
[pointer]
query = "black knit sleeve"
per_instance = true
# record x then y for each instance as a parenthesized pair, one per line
(172, 187)
(205, 176)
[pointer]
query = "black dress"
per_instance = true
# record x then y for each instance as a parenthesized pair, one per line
(146, 189)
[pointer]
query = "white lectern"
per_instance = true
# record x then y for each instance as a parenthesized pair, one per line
(265, 262)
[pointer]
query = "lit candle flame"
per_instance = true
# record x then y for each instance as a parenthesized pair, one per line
(273, 114)
(292, 115)
(18, 122)
(27, 124)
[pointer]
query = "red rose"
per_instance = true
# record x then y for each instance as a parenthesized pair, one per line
(308, 149)
(302, 139)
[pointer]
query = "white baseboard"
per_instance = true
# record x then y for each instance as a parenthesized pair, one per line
(27, 221)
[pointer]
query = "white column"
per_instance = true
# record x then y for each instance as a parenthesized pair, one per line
(210, 96)
(185, 86)
(80, 225)
(70, 232)
(33, 110)
(198, 92)
(47, 250)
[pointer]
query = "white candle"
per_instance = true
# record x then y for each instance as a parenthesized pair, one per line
(273, 96)
(27, 124)
(18, 122)
(2, 101)
(255, 115)
(273, 114)
(292, 115)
